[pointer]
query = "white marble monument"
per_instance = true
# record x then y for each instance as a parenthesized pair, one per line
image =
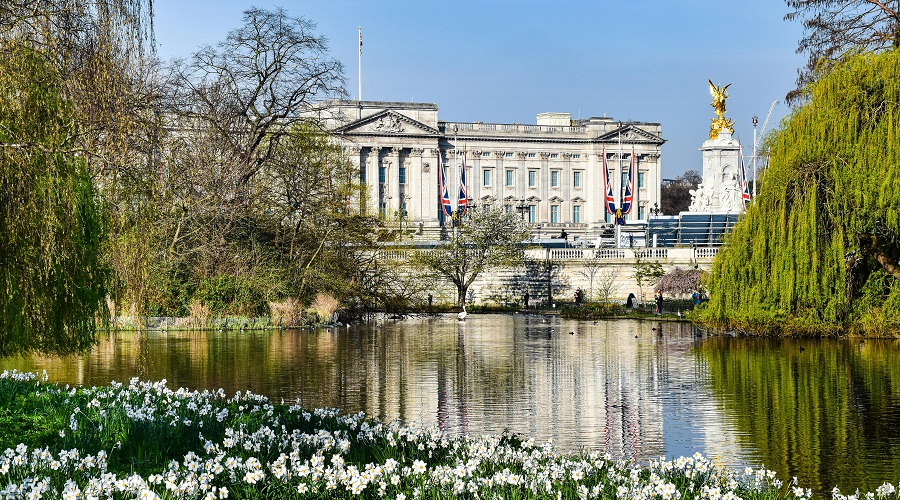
(720, 190)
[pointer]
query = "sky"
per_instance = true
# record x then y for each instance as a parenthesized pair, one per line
(504, 61)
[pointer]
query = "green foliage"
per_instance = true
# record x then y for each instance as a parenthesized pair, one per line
(647, 272)
(52, 227)
(593, 310)
(800, 260)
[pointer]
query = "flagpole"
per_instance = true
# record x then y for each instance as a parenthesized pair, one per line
(359, 95)
(619, 171)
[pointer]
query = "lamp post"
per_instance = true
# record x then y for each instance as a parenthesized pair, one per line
(755, 120)
(655, 210)
(549, 280)
(521, 207)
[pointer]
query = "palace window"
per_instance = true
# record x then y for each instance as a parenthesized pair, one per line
(554, 213)
(554, 178)
(508, 155)
(486, 174)
(576, 178)
(402, 175)
(532, 213)
(382, 174)
(532, 178)
(576, 214)
(554, 155)
(510, 177)
(576, 156)
(382, 208)
(486, 153)
(531, 155)
(641, 209)
(362, 174)
(641, 179)
(403, 209)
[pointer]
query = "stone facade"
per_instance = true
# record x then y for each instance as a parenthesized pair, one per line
(549, 172)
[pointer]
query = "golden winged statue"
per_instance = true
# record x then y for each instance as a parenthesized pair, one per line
(719, 123)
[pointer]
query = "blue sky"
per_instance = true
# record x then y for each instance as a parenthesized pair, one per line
(504, 61)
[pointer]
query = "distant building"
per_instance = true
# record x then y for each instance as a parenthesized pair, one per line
(549, 172)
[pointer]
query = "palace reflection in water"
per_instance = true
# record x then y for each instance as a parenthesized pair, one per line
(638, 389)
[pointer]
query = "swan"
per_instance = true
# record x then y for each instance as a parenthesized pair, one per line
(462, 316)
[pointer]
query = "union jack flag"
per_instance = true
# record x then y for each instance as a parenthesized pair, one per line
(442, 189)
(463, 200)
(610, 201)
(628, 197)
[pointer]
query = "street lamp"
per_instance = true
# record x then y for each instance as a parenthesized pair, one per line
(755, 120)
(655, 211)
(521, 207)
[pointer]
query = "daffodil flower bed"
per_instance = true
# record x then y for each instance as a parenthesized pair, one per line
(144, 440)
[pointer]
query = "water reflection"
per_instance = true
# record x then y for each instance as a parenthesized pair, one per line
(827, 414)
(827, 411)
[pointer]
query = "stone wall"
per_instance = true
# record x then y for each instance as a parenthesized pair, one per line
(569, 269)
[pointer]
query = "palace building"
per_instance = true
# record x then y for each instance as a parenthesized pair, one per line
(550, 172)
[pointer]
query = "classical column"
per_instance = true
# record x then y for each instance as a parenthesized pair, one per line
(415, 186)
(372, 188)
(354, 156)
(392, 182)
(544, 187)
(430, 176)
(566, 206)
(522, 188)
(473, 175)
(598, 207)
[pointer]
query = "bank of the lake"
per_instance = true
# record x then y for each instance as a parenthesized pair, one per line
(823, 410)
(144, 440)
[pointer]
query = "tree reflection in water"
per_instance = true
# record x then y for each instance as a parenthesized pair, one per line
(824, 410)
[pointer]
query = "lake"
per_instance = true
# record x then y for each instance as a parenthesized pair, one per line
(827, 411)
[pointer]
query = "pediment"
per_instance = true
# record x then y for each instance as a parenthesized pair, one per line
(387, 122)
(556, 199)
(488, 199)
(630, 134)
(578, 199)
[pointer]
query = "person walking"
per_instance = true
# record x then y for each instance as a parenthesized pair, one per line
(659, 301)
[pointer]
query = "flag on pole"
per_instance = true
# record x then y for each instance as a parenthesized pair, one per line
(463, 199)
(745, 189)
(442, 189)
(610, 201)
(360, 40)
(628, 197)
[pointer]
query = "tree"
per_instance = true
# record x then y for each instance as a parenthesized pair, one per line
(646, 273)
(606, 284)
(680, 281)
(593, 268)
(818, 250)
(834, 28)
(250, 187)
(675, 194)
(250, 89)
(52, 229)
(487, 238)
(80, 70)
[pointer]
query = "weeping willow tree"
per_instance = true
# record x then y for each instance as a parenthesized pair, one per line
(73, 121)
(818, 251)
(52, 278)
